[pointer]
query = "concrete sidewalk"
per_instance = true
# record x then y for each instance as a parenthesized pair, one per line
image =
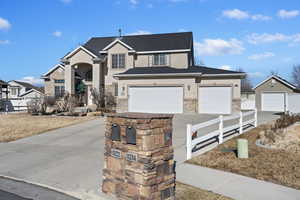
(232, 185)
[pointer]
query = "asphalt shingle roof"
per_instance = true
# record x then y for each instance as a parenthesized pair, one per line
(151, 42)
(170, 70)
(3, 82)
(29, 86)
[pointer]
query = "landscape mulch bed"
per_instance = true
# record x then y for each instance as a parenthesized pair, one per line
(277, 166)
(186, 192)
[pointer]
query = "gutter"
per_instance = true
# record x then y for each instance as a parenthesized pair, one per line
(158, 75)
(220, 75)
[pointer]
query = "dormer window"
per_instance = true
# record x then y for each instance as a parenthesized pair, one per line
(118, 61)
(159, 59)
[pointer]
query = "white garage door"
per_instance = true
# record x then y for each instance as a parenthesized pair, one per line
(215, 100)
(273, 102)
(155, 99)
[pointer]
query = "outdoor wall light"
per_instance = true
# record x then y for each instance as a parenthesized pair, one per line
(189, 87)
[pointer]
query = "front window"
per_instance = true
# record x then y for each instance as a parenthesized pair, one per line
(59, 91)
(159, 59)
(118, 61)
(59, 81)
(14, 91)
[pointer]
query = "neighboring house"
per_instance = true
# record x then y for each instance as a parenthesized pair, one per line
(3, 92)
(20, 93)
(3, 89)
(273, 94)
(149, 73)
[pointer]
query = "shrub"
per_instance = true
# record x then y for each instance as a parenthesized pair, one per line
(284, 121)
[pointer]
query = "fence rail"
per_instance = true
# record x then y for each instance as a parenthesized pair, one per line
(219, 133)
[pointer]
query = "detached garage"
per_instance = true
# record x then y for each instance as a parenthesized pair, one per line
(272, 94)
(155, 99)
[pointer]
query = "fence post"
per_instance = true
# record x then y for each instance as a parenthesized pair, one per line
(221, 126)
(255, 117)
(188, 141)
(241, 122)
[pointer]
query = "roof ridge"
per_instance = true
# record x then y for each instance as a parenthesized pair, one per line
(174, 33)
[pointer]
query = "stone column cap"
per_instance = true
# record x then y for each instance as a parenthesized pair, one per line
(141, 115)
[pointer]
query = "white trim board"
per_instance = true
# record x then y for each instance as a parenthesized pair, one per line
(114, 42)
(80, 48)
(53, 68)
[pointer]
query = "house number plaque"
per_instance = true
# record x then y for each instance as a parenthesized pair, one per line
(115, 153)
(131, 157)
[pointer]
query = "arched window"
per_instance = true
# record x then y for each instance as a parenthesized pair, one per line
(130, 135)
(115, 133)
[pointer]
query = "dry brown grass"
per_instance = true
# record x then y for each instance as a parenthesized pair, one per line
(186, 192)
(277, 166)
(17, 126)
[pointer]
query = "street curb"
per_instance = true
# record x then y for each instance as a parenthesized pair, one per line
(42, 186)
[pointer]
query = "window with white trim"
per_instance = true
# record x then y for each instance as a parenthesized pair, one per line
(160, 59)
(118, 61)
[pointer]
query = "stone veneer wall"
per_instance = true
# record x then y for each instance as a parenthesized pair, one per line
(190, 106)
(143, 171)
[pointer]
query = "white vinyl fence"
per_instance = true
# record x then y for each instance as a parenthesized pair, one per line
(293, 103)
(219, 133)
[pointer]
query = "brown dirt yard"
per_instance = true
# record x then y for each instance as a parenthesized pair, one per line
(279, 166)
(186, 192)
(17, 126)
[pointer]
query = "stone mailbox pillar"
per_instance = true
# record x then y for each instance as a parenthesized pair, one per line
(139, 157)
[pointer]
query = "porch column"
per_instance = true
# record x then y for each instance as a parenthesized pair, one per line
(96, 76)
(69, 79)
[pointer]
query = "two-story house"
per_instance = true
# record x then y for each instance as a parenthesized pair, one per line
(148, 73)
(19, 93)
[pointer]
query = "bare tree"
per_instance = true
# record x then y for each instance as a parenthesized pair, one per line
(98, 98)
(296, 75)
(246, 84)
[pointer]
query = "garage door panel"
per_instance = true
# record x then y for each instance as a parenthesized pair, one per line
(215, 100)
(273, 102)
(156, 99)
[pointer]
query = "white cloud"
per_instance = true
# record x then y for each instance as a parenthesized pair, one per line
(240, 15)
(226, 67)
(287, 14)
(217, 47)
(236, 14)
(134, 2)
(32, 80)
(3, 42)
(260, 17)
(66, 1)
(4, 24)
(255, 38)
(261, 56)
(140, 32)
(57, 33)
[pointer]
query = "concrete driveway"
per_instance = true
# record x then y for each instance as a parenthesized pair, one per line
(71, 158)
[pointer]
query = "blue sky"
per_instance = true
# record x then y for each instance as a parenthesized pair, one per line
(257, 35)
